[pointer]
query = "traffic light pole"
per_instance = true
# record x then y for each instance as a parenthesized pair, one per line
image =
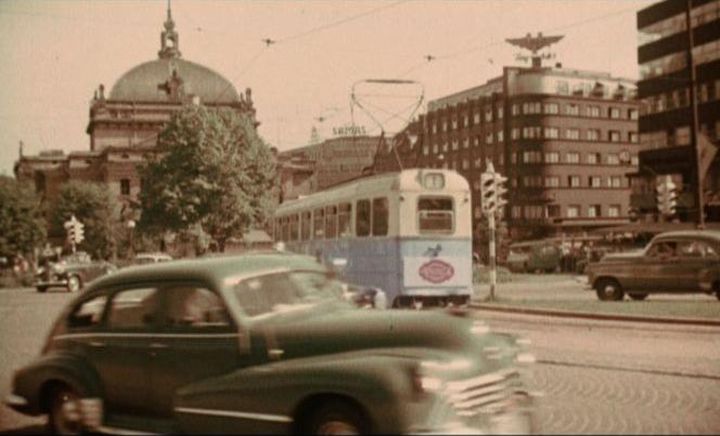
(491, 251)
(694, 130)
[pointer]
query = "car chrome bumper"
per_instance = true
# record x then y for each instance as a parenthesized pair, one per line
(51, 283)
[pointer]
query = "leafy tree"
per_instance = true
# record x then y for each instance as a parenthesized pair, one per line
(95, 207)
(22, 226)
(481, 240)
(211, 170)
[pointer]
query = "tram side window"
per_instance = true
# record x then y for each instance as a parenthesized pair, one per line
(344, 211)
(380, 216)
(331, 222)
(305, 225)
(293, 227)
(319, 223)
(435, 215)
(362, 218)
(285, 229)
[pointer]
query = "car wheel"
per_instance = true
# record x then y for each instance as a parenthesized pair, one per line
(65, 416)
(337, 418)
(41, 288)
(609, 290)
(639, 296)
(74, 283)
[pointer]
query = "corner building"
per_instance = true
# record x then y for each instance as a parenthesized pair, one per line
(564, 138)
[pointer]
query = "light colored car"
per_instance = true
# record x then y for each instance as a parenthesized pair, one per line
(145, 258)
(673, 262)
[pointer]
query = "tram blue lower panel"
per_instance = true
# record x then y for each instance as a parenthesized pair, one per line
(380, 263)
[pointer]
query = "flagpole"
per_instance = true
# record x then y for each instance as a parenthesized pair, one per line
(694, 129)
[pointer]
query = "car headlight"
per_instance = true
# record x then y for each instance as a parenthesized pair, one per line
(58, 269)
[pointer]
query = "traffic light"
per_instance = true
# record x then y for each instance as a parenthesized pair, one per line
(500, 193)
(79, 233)
(667, 195)
(488, 192)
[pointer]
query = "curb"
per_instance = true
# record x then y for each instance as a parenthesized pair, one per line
(595, 316)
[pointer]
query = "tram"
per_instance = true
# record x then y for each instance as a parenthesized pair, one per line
(408, 233)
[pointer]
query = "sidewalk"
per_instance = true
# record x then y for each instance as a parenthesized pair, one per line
(567, 296)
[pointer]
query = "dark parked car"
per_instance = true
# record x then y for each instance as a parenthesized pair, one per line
(266, 343)
(678, 262)
(71, 272)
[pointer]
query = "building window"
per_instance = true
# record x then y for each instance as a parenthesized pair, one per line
(465, 164)
(466, 120)
(455, 144)
(593, 111)
(595, 181)
(476, 118)
(633, 137)
(551, 108)
(572, 157)
(478, 162)
(532, 181)
(682, 135)
(532, 108)
(552, 132)
(534, 212)
(593, 134)
(434, 128)
(435, 148)
(516, 212)
(552, 157)
(532, 132)
(500, 136)
(633, 114)
(515, 133)
(572, 134)
(454, 123)
(593, 158)
(574, 181)
(489, 138)
(444, 126)
(614, 136)
(634, 160)
(614, 182)
(594, 211)
(466, 142)
(488, 114)
(613, 159)
(476, 141)
(552, 182)
(562, 87)
(515, 109)
(553, 211)
(500, 113)
(125, 186)
(573, 211)
(614, 210)
(615, 113)
(663, 66)
(572, 109)
(532, 157)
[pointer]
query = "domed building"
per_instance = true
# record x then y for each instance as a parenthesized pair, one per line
(124, 124)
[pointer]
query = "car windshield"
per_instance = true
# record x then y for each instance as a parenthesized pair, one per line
(279, 293)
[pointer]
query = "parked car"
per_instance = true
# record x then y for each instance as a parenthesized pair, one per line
(676, 262)
(71, 272)
(266, 343)
(534, 256)
(145, 258)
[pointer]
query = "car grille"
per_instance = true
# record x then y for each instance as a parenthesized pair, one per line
(487, 394)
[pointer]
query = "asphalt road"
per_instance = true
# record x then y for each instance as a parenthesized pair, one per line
(596, 376)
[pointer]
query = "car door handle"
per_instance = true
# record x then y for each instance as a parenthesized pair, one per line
(97, 344)
(158, 345)
(275, 353)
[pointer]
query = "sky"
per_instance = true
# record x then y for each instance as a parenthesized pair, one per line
(54, 54)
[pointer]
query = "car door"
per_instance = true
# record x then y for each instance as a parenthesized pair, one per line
(120, 354)
(694, 259)
(660, 266)
(199, 341)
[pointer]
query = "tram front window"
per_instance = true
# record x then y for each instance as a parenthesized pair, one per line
(435, 215)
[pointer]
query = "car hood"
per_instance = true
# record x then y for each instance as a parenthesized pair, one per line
(344, 330)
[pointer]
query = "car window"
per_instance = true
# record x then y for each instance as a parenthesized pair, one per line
(280, 292)
(133, 308)
(88, 313)
(663, 249)
(196, 307)
(695, 249)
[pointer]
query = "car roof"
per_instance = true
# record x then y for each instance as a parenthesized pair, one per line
(705, 234)
(214, 270)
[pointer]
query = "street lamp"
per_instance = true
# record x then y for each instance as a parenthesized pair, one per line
(131, 230)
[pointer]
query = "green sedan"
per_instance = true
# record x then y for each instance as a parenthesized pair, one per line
(266, 343)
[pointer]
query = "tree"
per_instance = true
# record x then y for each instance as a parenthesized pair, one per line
(481, 240)
(210, 169)
(95, 207)
(22, 225)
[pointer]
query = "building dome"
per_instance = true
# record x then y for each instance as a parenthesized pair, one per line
(172, 79)
(169, 79)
